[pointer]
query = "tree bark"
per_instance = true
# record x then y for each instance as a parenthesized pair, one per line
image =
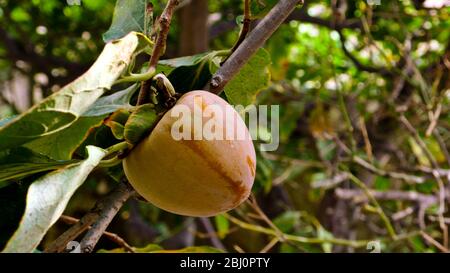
(193, 20)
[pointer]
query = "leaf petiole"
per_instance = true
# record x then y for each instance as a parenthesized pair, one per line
(139, 77)
(106, 163)
(116, 148)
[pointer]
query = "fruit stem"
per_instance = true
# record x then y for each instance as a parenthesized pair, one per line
(116, 148)
(160, 45)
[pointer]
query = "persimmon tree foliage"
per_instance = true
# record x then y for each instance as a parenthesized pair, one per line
(364, 125)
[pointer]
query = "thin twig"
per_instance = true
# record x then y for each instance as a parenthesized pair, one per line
(359, 196)
(295, 238)
(402, 214)
(59, 245)
(107, 209)
(245, 26)
(439, 181)
(251, 44)
(160, 45)
(374, 201)
(434, 118)
(395, 175)
(212, 234)
(270, 245)
(367, 144)
(440, 172)
(370, 167)
(419, 141)
(432, 241)
(254, 204)
(112, 236)
(372, 69)
(331, 182)
(442, 145)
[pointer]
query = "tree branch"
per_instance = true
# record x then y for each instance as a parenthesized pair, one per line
(112, 236)
(251, 44)
(106, 209)
(245, 25)
(359, 196)
(212, 235)
(356, 62)
(60, 244)
(160, 45)
(108, 205)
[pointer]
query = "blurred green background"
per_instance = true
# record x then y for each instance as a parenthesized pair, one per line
(349, 78)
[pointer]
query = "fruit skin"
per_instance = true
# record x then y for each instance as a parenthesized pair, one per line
(193, 177)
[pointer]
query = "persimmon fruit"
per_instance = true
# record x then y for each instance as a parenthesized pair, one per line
(195, 176)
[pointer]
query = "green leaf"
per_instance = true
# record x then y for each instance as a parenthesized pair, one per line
(382, 183)
(62, 109)
(117, 129)
(19, 14)
(222, 225)
(191, 72)
(188, 78)
(287, 221)
(139, 123)
(252, 78)
(20, 162)
(116, 173)
(264, 174)
(94, 5)
(47, 198)
(183, 61)
(116, 122)
(108, 104)
(62, 145)
(259, 8)
(325, 234)
(418, 152)
(121, 116)
(128, 16)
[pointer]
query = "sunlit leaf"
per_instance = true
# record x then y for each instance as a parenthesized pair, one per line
(287, 221)
(61, 145)
(46, 200)
(108, 104)
(128, 16)
(63, 108)
(223, 226)
(252, 78)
